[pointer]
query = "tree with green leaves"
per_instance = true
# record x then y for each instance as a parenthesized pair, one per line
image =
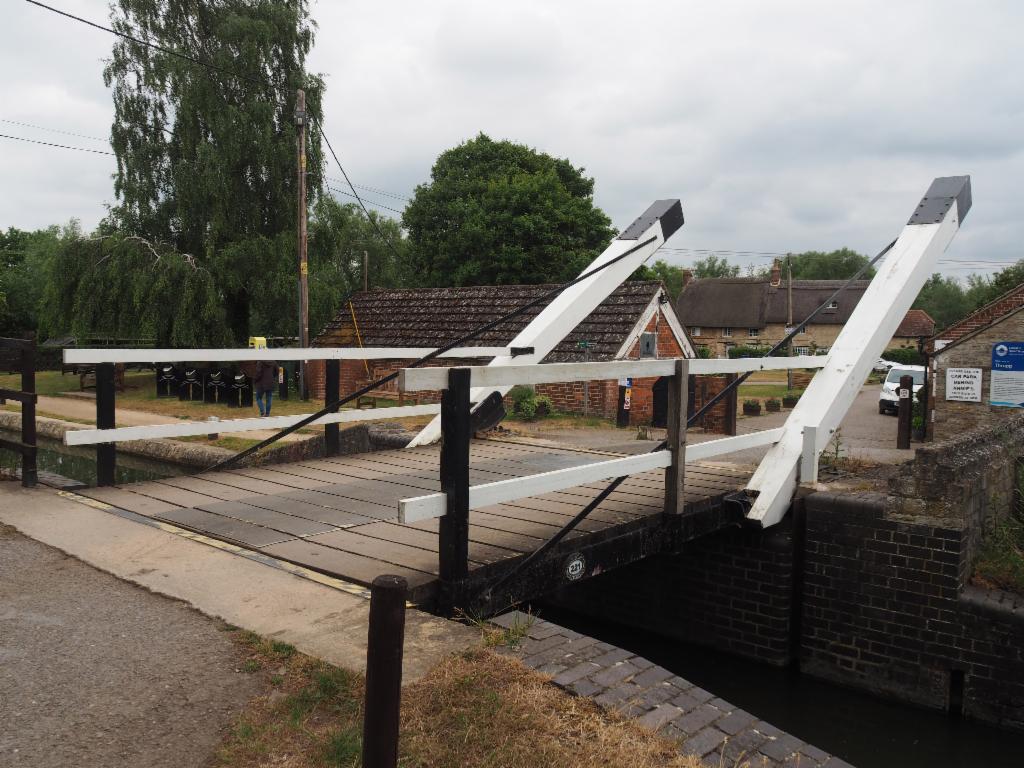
(670, 276)
(944, 299)
(714, 266)
(981, 289)
(339, 236)
(819, 265)
(206, 158)
(496, 212)
(126, 286)
(23, 255)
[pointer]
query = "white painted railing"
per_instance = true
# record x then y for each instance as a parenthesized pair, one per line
(104, 355)
(416, 379)
(433, 505)
(108, 355)
(192, 428)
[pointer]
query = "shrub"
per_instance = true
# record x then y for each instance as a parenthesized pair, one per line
(904, 356)
(527, 405)
(752, 403)
(747, 351)
(772, 404)
(544, 406)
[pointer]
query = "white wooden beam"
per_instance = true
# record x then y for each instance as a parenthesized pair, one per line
(571, 306)
(864, 337)
(433, 505)
(192, 428)
(487, 377)
(711, 448)
(107, 355)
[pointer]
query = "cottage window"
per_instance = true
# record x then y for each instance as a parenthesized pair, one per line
(648, 345)
(727, 332)
(833, 305)
(695, 330)
(753, 333)
(802, 350)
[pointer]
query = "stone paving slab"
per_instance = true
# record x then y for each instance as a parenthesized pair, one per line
(618, 681)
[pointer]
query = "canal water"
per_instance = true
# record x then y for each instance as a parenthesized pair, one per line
(866, 731)
(80, 463)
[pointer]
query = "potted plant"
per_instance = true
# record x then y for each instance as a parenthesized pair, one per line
(772, 405)
(789, 398)
(751, 407)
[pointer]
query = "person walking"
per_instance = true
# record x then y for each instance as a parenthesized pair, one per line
(264, 382)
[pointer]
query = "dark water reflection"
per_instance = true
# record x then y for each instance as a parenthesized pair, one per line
(79, 463)
(861, 729)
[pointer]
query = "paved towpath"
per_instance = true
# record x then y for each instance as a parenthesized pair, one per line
(97, 672)
(319, 619)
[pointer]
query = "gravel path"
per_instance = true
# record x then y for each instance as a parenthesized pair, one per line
(98, 672)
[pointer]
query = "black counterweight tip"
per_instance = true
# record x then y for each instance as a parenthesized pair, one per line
(668, 212)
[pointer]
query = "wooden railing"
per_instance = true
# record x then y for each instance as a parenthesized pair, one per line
(27, 397)
(107, 434)
(457, 497)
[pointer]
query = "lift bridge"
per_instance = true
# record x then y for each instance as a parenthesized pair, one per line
(479, 524)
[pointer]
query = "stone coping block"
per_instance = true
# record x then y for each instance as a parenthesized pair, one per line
(632, 686)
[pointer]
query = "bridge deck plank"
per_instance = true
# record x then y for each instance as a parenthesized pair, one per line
(339, 514)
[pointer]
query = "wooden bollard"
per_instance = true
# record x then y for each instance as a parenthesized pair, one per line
(905, 413)
(385, 642)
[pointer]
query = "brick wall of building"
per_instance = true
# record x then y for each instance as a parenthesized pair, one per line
(950, 418)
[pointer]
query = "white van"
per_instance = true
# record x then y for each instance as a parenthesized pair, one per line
(889, 399)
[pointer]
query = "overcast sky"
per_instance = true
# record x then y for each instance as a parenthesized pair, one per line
(782, 126)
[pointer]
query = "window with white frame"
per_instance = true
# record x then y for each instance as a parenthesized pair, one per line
(802, 350)
(695, 330)
(833, 305)
(753, 333)
(727, 332)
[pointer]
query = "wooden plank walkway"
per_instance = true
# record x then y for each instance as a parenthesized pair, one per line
(340, 515)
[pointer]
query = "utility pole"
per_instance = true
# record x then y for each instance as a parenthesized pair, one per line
(789, 316)
(300, 125)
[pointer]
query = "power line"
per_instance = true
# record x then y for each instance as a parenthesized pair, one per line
(371, 202)
(61, 146)
(54, 130)
(372, 189)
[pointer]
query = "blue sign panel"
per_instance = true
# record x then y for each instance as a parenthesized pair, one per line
(1007, 388)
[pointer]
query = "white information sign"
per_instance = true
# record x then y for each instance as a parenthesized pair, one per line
(963, 384)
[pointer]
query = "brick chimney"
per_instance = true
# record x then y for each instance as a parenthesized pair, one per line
(776, 279)
(687, 277)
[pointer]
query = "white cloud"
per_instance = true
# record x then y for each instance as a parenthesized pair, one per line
(781, 126)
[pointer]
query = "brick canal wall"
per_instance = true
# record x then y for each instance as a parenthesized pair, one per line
(732, 590)
(704, 725)
(870, 590)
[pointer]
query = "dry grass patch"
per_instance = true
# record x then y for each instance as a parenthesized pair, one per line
(484, 709)
(476, 709)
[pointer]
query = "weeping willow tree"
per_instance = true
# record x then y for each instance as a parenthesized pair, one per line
(125, 286)
(206, 157)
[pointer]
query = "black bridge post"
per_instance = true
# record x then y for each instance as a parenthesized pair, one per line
(384, 646)
(106, 453)
(905, 414)
(675, 474)
(453, 556)
(332, 393)
(29, 474)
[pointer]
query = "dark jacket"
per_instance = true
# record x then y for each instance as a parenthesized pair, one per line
(266, 375)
